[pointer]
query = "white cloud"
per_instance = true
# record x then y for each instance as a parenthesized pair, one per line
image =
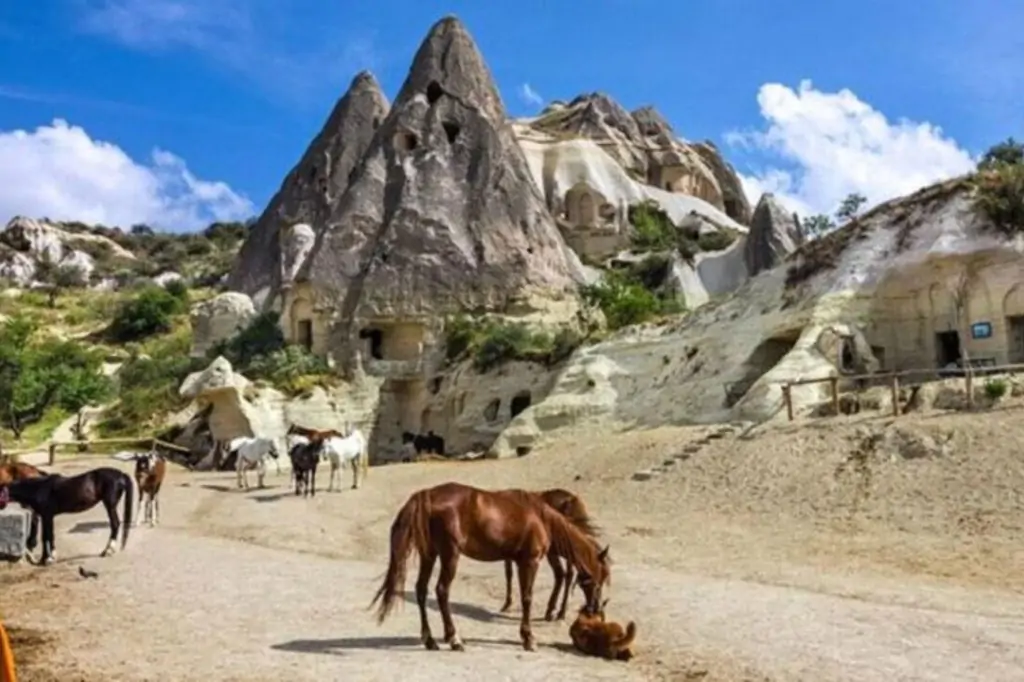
(828, 145)
(59, 172)
(530, 96)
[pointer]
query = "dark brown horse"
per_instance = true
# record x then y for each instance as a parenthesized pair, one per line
(54, 494)
(572, 508)
(449, 520)
(17, 471)
(314, 435)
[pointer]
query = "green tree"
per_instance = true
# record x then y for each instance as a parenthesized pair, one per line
(149, 313)
(818, 225)
(850, 207)
(38, 375)
(1008, 152)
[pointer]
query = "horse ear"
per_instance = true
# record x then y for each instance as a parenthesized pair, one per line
(603, 554)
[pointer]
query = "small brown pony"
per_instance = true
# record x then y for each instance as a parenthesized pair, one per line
(452, 519)
(594, 636)
(572, 508)
(18, 471)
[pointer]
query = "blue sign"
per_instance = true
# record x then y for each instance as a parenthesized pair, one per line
(981, 330)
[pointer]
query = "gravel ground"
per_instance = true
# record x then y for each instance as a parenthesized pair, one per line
(800, 554)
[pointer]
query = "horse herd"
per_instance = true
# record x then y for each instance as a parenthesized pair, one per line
(442, 524)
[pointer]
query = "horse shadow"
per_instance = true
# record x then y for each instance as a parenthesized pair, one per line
(338, 646)
(480, 615)
(272, 497)
(83, 527)
(217, 488)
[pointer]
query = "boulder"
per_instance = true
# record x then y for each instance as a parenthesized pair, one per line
(14, 527)
(218, 319)
(774, 234)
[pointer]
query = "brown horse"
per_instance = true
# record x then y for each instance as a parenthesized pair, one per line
(452, 519)
(572, 508)
(18, 471)
(314, 435)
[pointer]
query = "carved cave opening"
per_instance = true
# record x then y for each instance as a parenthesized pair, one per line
(304, 334)
(491, 411)
(405, 141)
(762, 359)
(434, 92)
(376, 122)
(451, 130)
(520, 401)
(376, 342)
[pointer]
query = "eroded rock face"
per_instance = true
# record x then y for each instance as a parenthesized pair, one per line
(734, 199)
(25, 242)
(218, 319)
(311, 190)
(297, 243)
(442, 214)
(774, 234)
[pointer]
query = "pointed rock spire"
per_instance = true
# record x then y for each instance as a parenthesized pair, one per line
(312, 188)
(442, 214)
(774, 234)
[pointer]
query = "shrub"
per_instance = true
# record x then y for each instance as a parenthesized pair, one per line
(293, 369)
(260, 338)
(1009, 152)
(716, 241)
(995, 388)
(999, 195)
(178, 289)
(492, 343)
(654, 229)
(633, 296)
(149, 313)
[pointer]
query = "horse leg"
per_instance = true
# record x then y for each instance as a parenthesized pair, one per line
(449, 563)
(48, 556)
(33, 535)
(239, 470)
(422, 583)
(110, 502)
(570, 576)
(355, 473)
(155, 498)
(527, 574)
(261, 471)
(508, 587)
(334, 469)
(556, 567)
(312, 481)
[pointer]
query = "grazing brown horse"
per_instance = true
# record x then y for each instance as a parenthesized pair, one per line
(572, 508)
(452, 519)
(54, 494)
(17, 471)
(314, 435)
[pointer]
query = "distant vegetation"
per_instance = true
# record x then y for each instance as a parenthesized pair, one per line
(636, 293)
(655, 231)
(999, 187)
(491, 343)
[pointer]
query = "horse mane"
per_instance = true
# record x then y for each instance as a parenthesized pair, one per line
(572, 508)
(568, 539)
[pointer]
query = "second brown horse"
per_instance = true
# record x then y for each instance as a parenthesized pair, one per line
(452, 519)
(572, 508)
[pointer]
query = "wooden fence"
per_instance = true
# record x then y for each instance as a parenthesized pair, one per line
(53, 445)
(894, 380)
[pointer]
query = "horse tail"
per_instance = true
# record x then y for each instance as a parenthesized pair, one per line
(410, 529)
(129, 494)
(628, 638)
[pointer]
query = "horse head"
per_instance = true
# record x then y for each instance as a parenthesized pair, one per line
(593, 585)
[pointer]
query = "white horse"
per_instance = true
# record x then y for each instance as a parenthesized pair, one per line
(352, 449)
(250, 452)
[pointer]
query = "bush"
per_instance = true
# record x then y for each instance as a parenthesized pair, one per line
(492, 343)
(654, 229)
(260, 338)
(178, 289)
(999, 195)
(633, 296)
(149, 313)
(290, 368)
(716, 241)
(996, 389)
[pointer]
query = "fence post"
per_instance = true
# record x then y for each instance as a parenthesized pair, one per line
(53, 454)
(834, 383)
(969, 385)
(787, 396)
(895, 394)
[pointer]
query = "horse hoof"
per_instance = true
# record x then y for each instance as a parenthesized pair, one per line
(505, 609)
(431, 645)
(549, 617)
(458, 646)
(529, 645)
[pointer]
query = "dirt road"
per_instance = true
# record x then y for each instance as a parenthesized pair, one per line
(264, 586)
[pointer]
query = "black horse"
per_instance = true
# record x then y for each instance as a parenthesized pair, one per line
(54, 494)
(429, 443)
(305, 459)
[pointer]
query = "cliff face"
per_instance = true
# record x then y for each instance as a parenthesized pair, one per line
(310, 191)
(774, 234)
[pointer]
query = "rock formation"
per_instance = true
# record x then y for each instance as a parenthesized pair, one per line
(218, 319)
(26, 241)
(774, 234)
(734, 199)
(442, 214)
(311, 190)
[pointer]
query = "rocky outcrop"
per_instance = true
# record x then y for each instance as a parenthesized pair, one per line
(734, 199)
(25, 242)
(871, 296)
(442, 214)
(774, 234)
(218, 319)
(310, 192)
(14, 527)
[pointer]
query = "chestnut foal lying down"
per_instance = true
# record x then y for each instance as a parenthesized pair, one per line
(595, 637)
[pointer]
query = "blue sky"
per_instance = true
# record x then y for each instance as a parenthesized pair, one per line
(229, 92)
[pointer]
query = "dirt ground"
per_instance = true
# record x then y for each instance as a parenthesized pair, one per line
(839, 549)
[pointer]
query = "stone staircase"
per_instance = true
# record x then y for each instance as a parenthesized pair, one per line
(737, 430)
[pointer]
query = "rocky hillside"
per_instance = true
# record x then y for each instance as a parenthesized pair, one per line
(37, 252)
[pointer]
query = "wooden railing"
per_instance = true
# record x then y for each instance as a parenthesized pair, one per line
(894, 381)
(53, 445)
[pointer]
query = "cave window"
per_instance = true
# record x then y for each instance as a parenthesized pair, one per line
(434, 92)
(846, 356)
(435, 385)
(520, 401)
(491, 411)
(405, 141)
(376, 338)
(305, 334)
(451, 130)
(376, 123)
